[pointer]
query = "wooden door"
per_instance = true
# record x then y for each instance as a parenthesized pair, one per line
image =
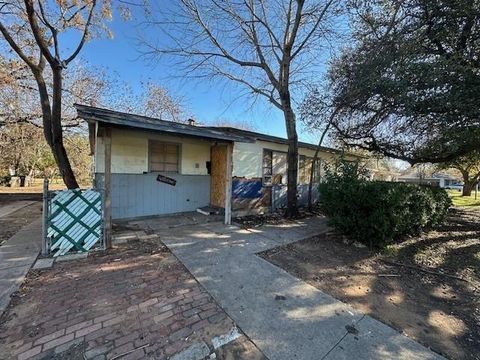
(218, 176)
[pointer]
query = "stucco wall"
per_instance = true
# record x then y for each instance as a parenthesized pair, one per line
(247, 157)
(130, 153)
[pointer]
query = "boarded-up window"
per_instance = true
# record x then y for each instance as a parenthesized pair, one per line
(164, 157)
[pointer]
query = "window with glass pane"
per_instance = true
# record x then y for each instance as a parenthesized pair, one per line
(164, 157)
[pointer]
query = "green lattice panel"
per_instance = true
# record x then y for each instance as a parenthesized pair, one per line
(74, 220)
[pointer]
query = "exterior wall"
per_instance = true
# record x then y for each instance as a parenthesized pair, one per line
(135, 195)
(247, 157)
(249, 195)
(136, 192)
(130, 153)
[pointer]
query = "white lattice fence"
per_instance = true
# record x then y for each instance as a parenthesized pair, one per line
(74, 221)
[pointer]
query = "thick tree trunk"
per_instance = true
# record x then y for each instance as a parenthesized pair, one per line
(58, 148)
(467, 188)
(52, 124)
(292, 161)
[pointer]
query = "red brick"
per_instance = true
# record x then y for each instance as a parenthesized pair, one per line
(102, 318)
(30, 353)
(78, 326)
(163, 316)
(23, 348)
(50, 337)
(58, 341)
(126, 338)
(147, 303)
(114, 321)
(208, 313)
(88, 330)
(200, 324)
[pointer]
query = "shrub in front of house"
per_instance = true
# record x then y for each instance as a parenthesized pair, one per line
(375, 212)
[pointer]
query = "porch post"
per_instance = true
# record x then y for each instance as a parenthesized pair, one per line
(228, 185)
(108, 187)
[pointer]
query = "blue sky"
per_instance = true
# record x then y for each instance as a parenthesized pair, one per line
(206, 101)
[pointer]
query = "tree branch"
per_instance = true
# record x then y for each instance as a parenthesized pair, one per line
(84, 36)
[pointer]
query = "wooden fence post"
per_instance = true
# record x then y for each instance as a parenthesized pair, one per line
(45, 218)
(108, 187)
(228, 186)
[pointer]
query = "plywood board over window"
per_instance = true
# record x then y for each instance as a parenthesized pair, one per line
(164, 157)
(218, 176)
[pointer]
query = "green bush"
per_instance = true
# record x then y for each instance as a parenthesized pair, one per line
(376, 213)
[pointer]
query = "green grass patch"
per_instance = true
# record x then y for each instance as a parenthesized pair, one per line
(464, 201)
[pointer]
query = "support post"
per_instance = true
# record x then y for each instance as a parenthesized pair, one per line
(228, 185)
(45, 247)
(107, 142)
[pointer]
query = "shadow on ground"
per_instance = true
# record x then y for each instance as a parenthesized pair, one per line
(438, 310)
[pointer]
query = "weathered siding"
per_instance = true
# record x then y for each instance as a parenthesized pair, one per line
(279, 195)
(247, 157)
(135, 195)
(130, 152)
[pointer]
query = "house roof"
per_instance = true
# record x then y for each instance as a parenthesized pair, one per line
(90, 113)
(412, 174)
(122, 119)
(274, 139)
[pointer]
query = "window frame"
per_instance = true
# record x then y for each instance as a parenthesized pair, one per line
(317, 171)
(179, 155)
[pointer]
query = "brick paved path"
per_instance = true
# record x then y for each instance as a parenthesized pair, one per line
(135, 300)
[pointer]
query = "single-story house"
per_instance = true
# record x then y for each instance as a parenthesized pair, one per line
(442, 180)
(153, 167)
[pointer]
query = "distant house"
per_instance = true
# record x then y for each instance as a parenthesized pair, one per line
(436, 179)
(161, 167)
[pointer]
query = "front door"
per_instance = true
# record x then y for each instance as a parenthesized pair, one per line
(218, 175)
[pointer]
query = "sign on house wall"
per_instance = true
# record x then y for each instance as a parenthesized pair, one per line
(166, 180)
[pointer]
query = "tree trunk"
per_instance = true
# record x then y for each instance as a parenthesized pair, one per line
(52, 123)
(292, 161)
(58, 149)
(467, 189)
(315, 159)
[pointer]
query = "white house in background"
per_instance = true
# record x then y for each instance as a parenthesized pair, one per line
(436, 179)
(159, 167)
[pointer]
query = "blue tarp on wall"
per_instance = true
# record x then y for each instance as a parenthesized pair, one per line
(246, 189)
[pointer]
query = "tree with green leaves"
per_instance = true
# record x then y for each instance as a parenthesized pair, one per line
(469, 166)
(408, 86)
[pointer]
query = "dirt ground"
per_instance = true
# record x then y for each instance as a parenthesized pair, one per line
(13, 222)
(439, 305)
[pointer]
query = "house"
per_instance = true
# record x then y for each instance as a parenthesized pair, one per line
(439, 179)
(153, 167)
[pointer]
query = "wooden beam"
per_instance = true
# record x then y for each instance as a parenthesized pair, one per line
(92, 133)
(107, 181)
(228, 185)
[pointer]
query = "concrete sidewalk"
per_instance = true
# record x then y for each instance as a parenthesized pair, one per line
(10, 207)
(284, 316)
(17, 255)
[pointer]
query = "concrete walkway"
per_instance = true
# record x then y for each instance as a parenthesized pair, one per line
(17, 255)
(10, 207)
(284, 316)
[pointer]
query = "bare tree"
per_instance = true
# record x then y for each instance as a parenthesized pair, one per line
(158, 102)
(267, 46)
(33, 31)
